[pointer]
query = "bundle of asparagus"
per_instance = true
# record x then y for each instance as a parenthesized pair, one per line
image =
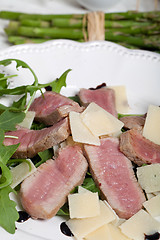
(131, 29)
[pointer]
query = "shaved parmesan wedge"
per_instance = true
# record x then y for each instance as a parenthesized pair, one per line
(84, 205)
(153, 206)
(99, 121)
(121, 99)
(156, 193)
(140, 224)
(149, 177)
(82, 227)
(28, 120)
(69, 141)
(101, 233)
(82, 190)
(115, 233)
(151, 128)
(149, 195)
(108, 231)
(21, 171)
(80, 133)
(114, 213)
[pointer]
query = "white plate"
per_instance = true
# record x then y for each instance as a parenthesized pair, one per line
(91, 64)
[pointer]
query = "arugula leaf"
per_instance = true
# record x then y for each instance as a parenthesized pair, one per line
(63, 211)
(13, 91)
(60, 82)
(6, 152)
(3, 108)
(8, 212)
(21, 103)
(3, 81)
(6, 176)
(90, 185)
(56, 85)
(75, 98)
(45, 155)
(126, 115)
(22, 89)
(14, 162)
(8, 120)
(19, 63)
(31, 89)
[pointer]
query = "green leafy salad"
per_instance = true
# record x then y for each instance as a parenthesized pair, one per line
(10, 116)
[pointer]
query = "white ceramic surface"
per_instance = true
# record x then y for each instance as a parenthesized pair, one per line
(91, 64)
(95, 5)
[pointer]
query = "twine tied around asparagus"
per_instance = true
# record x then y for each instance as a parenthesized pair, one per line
(95, 26)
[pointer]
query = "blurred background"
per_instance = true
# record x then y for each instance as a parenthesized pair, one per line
(140, 28)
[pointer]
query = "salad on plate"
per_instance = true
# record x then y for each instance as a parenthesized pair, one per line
(82, 157)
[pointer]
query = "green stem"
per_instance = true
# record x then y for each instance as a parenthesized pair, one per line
(21, 40)
(46, 33)
(148, 30)
(78, 23)
(138, 41)
(20, 15)
(35, 23)
(133, 15)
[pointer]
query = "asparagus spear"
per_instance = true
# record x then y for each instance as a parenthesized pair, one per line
(78, 23)
(57, 22)
(148, 43)
(21, 40)
(126, 41)
(131, 32)
(143, 42)
(19, 15)
(46, 33)
(138, 16)
(14, 28)
(34, 23)
(148, 30)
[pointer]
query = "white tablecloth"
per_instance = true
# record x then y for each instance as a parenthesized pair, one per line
(63, 6)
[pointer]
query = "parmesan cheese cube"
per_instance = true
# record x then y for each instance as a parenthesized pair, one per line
(82, 227)
(149, 177)
(151, 128)
(28, 120)
(153, 206)
(21, 171)
(83, 205)
(139, 225)
(121, 100)
(99, 121)
(80, 133)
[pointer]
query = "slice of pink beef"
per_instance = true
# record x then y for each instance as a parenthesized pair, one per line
(34, 141)
(52, 107)
(46, 190)
(104, 97)
(114, 175)
(139, 149)
(136, 122)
